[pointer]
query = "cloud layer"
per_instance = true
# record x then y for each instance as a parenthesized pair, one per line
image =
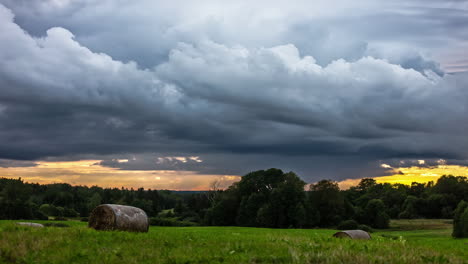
(92, 79)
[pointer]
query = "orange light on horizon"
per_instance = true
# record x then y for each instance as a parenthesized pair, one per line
(408, 175)
(90, 172)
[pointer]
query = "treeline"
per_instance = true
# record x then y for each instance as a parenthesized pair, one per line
(20, 200)
(275, 199)
(265, 198)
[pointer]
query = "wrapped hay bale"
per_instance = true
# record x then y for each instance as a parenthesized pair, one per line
(353, 234)
(29, 224)
(118, 217)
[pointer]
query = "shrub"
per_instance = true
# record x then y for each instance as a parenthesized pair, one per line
(166, 214)
(382, 220)
(447, 212)
(194, 219)
(464, 221)
(84, 219)
(460, 220)
(347, 225)
(60, 218)
(170, 214)
(365, 228)
(406, 215)
(60, 211)
(40, 215)
(49, 210)
(68, 212)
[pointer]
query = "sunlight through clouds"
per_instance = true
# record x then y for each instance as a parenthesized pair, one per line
(200, 90)
(407, 175)
(89, 172)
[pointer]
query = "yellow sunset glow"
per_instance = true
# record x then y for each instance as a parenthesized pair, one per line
(413, 174)
(421, 174)
(89, 172)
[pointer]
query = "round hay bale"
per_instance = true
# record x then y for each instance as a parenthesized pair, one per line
(29, 224)
(353, 234)
(118, 217)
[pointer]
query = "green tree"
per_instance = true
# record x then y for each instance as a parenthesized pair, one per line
(376, 216)
(326, 198)
(248, 209)
(460, 220)
(263, 198)
(453, 185)
(223, 213)
(14, 200)
(366, 184)
(288, 200)
(409, 208)
(94, 201)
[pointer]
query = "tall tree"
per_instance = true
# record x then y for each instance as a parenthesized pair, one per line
(376, 216)
(326, 198)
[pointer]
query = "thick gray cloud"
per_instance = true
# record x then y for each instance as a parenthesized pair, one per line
(145, 31)
(310, 90)
(4, 163)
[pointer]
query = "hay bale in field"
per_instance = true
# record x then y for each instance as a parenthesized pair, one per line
(29, 224)
(118, 217)
(353, 234)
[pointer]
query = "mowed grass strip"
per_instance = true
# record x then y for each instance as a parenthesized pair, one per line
(79, 244)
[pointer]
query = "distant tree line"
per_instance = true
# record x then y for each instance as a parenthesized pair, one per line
(265, 198)
(272, 198)
(20, 200)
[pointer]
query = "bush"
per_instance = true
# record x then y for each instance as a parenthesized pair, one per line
(406, 215)
(49, 210)
(60, 218)
(382, 220)
(166, 214)
(365, 228)
(60, 211)
(40, 215)
(347, 225)
(190, 216)
(84, 219)
(460, 220)
(447, 212)
(68, 212)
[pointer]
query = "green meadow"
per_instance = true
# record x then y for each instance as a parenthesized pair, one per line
(407, 241)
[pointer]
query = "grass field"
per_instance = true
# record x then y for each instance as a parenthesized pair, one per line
(426, 241)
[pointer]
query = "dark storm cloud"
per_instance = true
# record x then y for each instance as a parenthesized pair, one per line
(309, 168)
(4, 163)
(326, 102)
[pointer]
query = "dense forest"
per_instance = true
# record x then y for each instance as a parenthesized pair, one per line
(265, 198)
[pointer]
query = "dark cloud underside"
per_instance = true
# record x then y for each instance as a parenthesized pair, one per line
(320, 93)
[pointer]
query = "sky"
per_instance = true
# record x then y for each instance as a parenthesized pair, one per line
(178, 94)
